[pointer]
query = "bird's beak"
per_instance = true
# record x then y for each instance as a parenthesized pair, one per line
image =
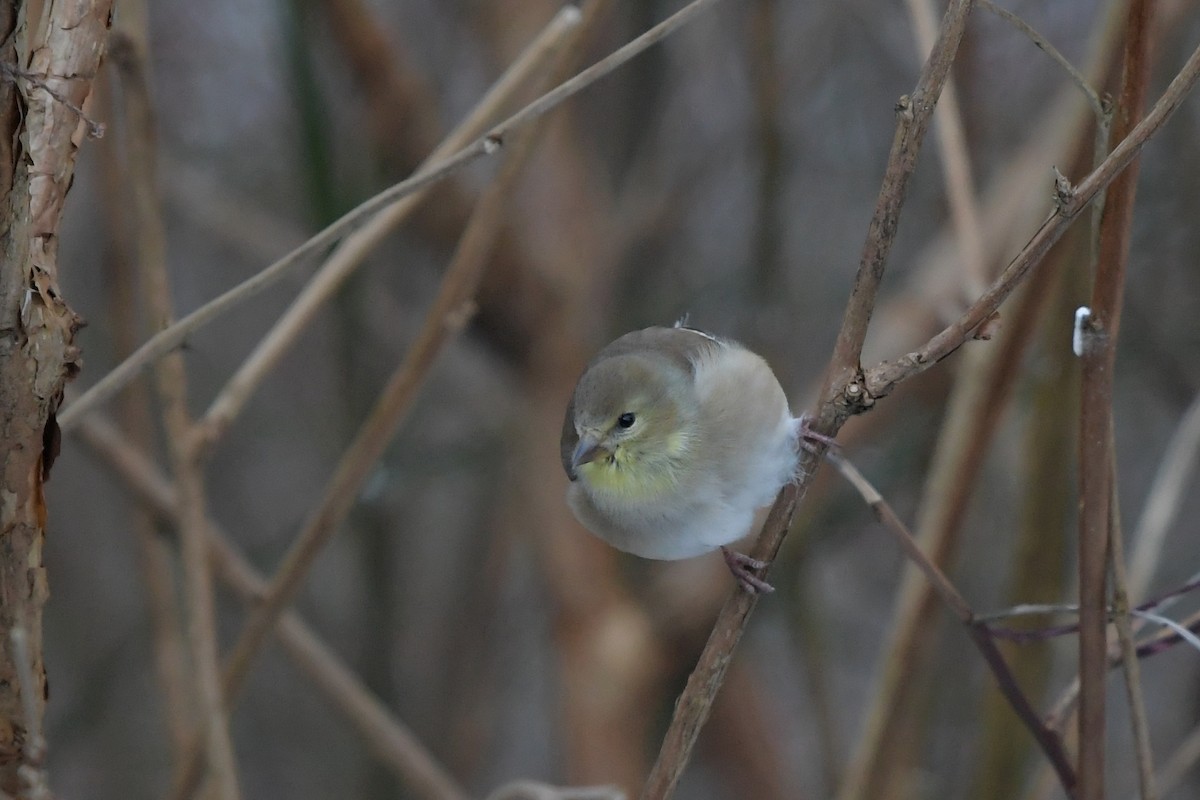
(587, 451)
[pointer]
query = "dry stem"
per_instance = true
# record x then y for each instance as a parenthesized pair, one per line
(981, 637)
(845, 393)
(695, 702)
(880, 380)
(914, 113)
(1046, 47)
(983, 384)
(952, 146)
(155, 563)
(354, 249)
(1095, 429)
(449, 313)
(1123, 622)
(128, 55)
(170, 338)
(1164, 499)
(387, 737)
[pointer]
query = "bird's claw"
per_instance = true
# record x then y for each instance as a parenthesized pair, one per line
(744, 568)
(811, 440)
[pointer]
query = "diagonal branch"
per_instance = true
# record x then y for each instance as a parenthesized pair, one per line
(956, 162)
(847, 391)
(389, 739)
(355, 248)
(695, 703)
(1046, 47)
(451, 310)
(1098, 354)
(490, 143)
(980, 635)
(128, 53)
(1123, 622)
(882, 379)
(914, 113)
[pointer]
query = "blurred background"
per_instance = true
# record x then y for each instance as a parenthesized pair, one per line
(727, 174)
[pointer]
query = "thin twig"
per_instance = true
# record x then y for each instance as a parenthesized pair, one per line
(129, 56)
(387, 737)
(908, 543)
(1179, 763)
(450, 312)
(1098, 357)
(695, 703)
(983, 384)
(1122, 617)
(882, 379)
(914, 112)
(1044, 45)
(40, 80)
(155, 563)
(1184, 632)
(952, 146)
(1174, 632)
(980, 635)
(354, 249)
(1165, 498)
(170, 338)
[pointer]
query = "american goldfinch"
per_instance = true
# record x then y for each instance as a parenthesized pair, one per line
(672, 440)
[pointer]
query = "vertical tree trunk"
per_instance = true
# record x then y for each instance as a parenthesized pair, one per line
(51, 50)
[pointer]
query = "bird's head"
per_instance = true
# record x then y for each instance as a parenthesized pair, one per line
(633, 418)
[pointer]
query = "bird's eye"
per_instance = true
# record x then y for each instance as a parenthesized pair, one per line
(626, 420)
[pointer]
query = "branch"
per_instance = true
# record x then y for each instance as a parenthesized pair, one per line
(1044, 45)
(451, 310)
(978, 631)
(1122, 617)
(1165, 498)
(956, 162)
(882, 379)
(156, 563)
(354, 249)
(914, 113)
(128, 55)
(387, 737)
(170, 338)
(1098, 355)
(695, 703)
(983, 386)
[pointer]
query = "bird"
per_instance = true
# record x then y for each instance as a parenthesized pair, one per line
(673, 438)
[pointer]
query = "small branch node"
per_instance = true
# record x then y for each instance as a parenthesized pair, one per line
(988, 328)
(904, 108)
(857, 398)
(1064, 193)
(493, 142)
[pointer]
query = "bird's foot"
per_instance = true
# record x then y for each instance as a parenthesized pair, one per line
(811, 440)
(744, 569)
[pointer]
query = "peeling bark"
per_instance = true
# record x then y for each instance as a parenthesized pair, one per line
(49, 56)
